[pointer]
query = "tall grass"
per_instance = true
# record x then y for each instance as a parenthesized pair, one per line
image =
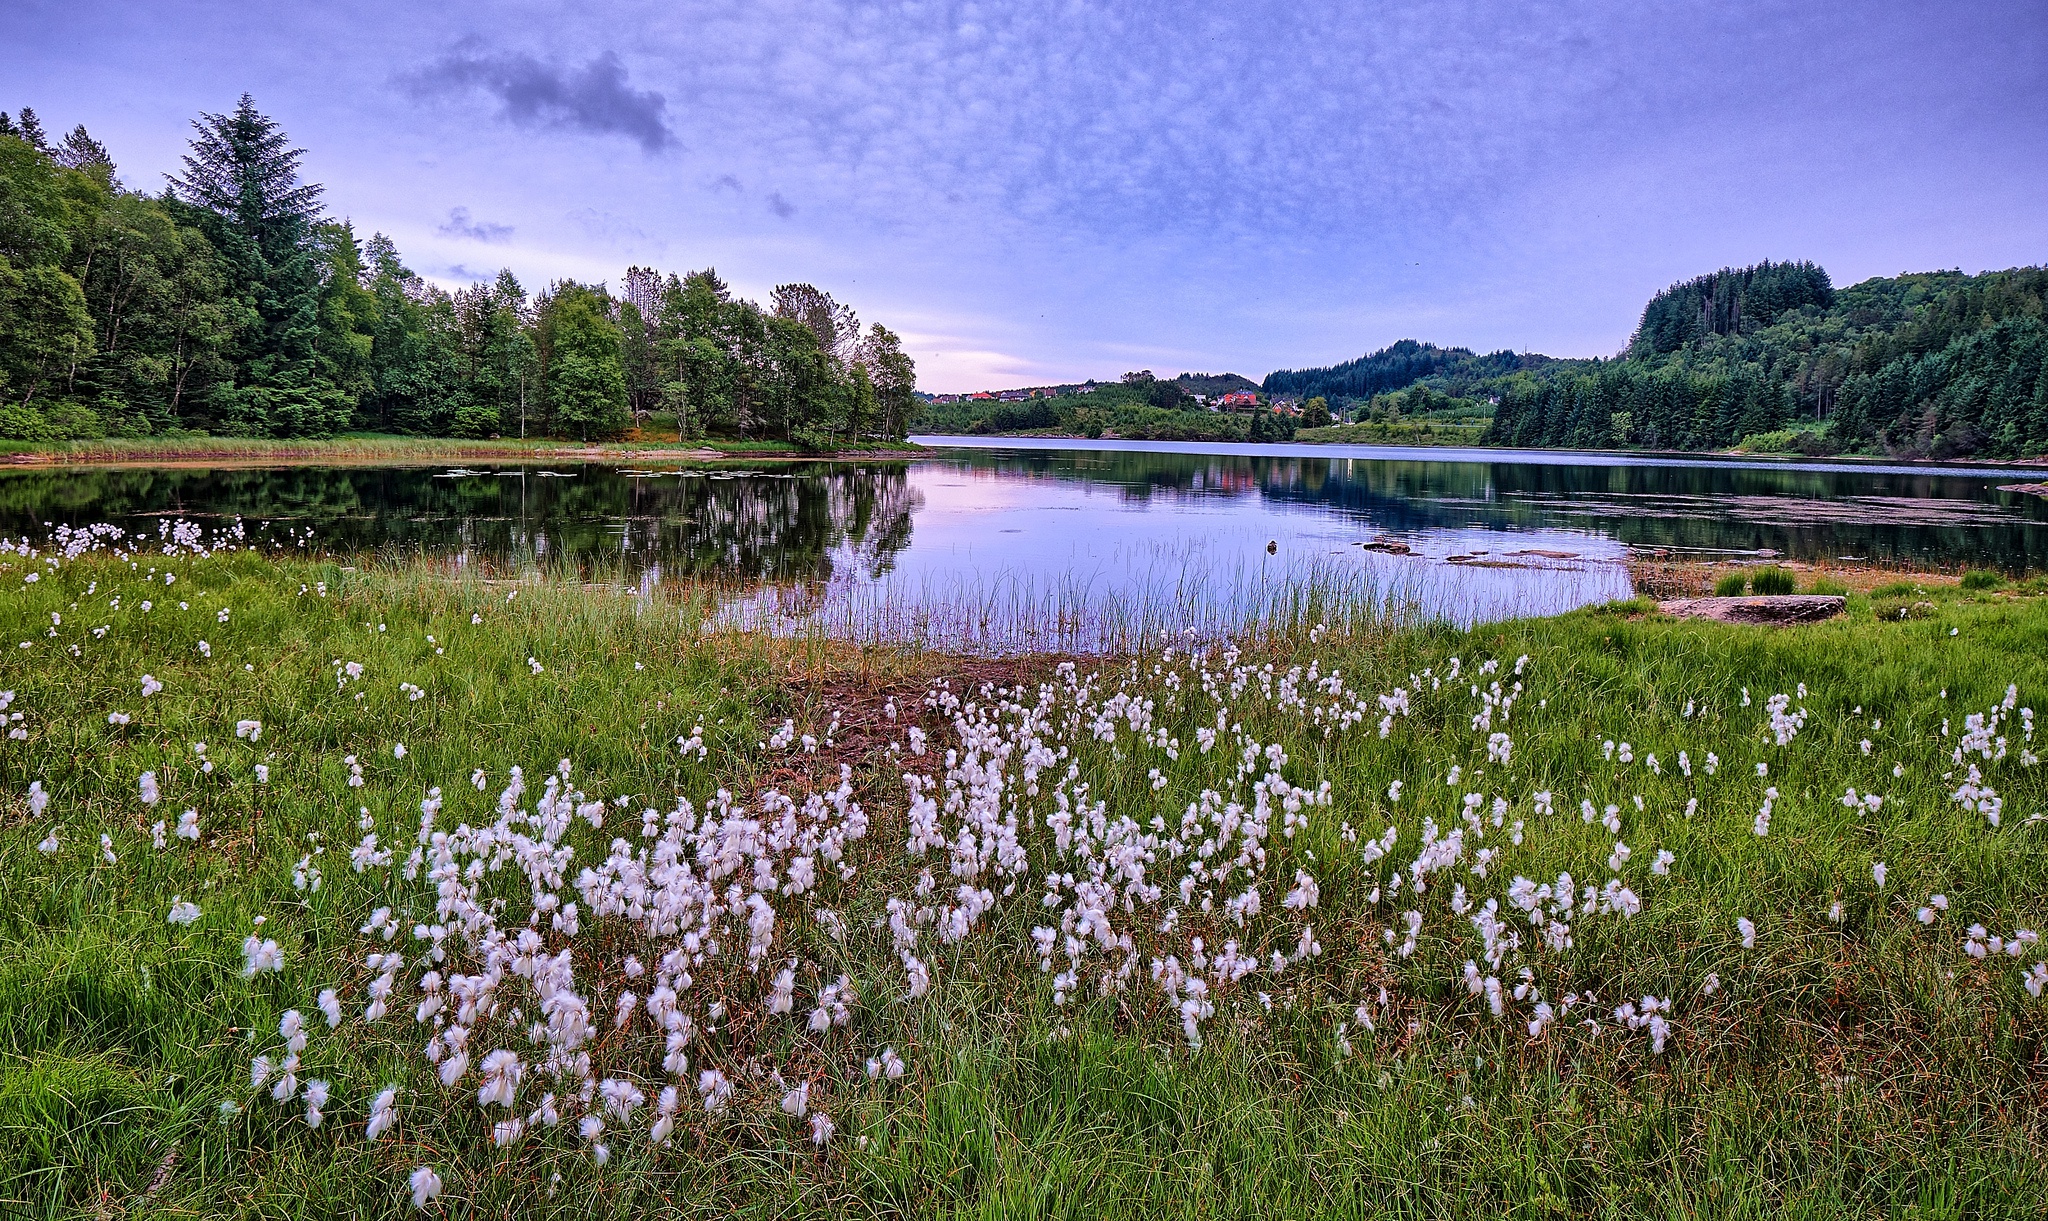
(1865, 1067)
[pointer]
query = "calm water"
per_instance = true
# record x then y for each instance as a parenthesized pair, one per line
(1041, 532)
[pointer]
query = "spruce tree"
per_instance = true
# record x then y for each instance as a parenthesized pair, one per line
(242, 185)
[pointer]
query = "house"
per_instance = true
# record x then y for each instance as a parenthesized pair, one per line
(1238, 398)
(980, 395)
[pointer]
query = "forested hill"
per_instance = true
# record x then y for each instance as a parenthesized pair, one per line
(1936, 364)
(1452, 370)
(232, 303)
(1768, 357)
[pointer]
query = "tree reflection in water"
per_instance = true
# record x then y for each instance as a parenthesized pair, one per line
(788, 526)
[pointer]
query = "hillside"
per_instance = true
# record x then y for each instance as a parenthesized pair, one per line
(1455, 371)
(1767, 357)
(1929, 365)
(1209, 385)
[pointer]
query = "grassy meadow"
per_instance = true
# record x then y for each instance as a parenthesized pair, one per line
(988, 919)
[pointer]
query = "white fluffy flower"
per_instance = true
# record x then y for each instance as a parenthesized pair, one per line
(425, 1186)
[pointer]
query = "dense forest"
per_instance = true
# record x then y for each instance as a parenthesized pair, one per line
(1935, 365)
(1767, 357)
(1454, 371)
(231, 303)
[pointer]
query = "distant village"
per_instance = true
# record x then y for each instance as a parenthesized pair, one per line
(1229, 400)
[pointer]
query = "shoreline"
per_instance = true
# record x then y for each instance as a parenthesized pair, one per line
(423, 451)
(1661, 456)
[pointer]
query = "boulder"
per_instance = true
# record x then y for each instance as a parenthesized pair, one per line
(1775, 609)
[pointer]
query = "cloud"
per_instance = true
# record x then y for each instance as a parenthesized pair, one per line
(780, 206)
(459, 224)
(594, 98)
(614, 230)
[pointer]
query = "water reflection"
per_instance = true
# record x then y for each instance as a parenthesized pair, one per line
(802, 523)
(1802, 510)
(1050, 543)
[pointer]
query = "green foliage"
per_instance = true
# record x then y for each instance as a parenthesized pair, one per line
(1978, 579)
(1128, 409)
(1399, 366)
(585, 378)
(1770, 358)
(1772, 581)
(1731, 586)
(231, 304)
(1827, 585)
(1315, 413)
(1729, 301)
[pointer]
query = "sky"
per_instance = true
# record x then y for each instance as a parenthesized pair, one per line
(1051, 191)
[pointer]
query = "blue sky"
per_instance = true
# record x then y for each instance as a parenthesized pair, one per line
(1057, 190)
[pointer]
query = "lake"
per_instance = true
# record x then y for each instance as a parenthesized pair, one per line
(999, 543)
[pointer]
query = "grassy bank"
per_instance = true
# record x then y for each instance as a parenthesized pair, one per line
(1373, 433)
(1816, 1045)
(379, 448)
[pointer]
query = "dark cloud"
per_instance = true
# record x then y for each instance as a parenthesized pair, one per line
(593, 98)
(460, 224)
(780, 206)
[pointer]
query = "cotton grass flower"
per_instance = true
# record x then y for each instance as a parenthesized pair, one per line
(383, 1113)
(426, 1185)
(260, 955)
(316, 1098)
(797, 1102)
(1747, 928)
(182, 913)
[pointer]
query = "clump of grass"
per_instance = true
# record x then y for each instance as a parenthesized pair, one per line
(1731, 586)
(1827, 585)
(1897, 589)
(1981, 579)
(1772, 580)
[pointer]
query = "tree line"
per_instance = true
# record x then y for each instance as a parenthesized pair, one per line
(1396, 367)
(1140, 406)
(231, 303)
(1929, 365)
(1769, 356)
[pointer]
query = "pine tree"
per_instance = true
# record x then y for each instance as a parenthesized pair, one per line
(81, 152)
(242, 185)
(29, 128)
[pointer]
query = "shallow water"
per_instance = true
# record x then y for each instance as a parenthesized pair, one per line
(996, 542)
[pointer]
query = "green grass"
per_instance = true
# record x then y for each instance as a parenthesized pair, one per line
(1769, 581)
(1861, 1068)
(1732, 585)
(1397, 433)
(379, 447)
